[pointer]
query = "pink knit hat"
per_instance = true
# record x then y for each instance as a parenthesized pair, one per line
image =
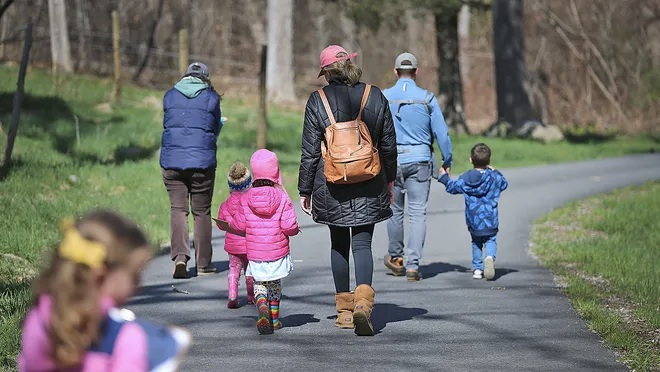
(265, 166)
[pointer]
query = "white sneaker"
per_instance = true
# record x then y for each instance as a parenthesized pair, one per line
(477, 274)
(489, 268)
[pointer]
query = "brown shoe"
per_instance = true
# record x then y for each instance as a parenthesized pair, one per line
(344, 306)
(364, 303)
(395, 265)
(180, 270)
(208, 270)
(413, 275)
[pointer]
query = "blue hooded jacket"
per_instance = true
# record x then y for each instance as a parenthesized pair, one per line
(191, 124)
(482, 189)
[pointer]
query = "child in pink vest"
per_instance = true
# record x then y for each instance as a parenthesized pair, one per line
(75, 325)
(240, 180)
(268, 219)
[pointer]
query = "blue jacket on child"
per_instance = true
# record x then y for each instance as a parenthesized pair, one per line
(482, 189)
(191, 123)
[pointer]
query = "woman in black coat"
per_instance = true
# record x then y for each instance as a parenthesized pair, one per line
(350, 211)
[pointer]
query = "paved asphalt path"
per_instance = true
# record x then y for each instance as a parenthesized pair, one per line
(447, 322)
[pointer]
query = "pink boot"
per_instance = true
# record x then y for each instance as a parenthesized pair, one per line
(233, 291)
(249, 283)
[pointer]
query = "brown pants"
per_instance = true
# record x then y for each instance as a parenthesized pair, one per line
(192, 188)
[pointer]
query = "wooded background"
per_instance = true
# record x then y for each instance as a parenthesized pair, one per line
(588, 62)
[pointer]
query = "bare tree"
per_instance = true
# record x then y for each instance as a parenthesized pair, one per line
(59, 36)
(279, 71)
(82, 26)
(152, 40)
(4, 6)
(513, 102)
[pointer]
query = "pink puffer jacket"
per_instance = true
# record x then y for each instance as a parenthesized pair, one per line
(234, 244)
(268, 218)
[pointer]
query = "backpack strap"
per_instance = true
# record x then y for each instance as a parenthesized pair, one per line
(324, 98)
(365, 97)
(400, 102)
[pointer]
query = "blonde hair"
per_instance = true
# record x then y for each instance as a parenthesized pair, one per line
(345, 72)
(75, 316)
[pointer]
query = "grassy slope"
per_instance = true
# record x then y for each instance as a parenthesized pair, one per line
(55, 177)
(606, 249)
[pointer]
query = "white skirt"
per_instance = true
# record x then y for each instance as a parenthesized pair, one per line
(263, 271)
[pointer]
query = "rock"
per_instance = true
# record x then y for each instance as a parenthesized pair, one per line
(105, 108)
(499, 129)
(73, 179)
(547, 133)
(153, 102)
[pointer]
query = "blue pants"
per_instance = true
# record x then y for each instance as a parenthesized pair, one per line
(478, 245)
(413, 179)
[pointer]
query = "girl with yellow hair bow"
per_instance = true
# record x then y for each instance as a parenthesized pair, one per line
(75, 323)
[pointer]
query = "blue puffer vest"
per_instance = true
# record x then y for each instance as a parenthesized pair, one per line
(191, 128)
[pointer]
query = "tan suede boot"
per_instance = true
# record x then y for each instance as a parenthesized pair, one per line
(344, 305)
(364, 304)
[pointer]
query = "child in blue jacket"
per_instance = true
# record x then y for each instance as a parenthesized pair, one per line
(481, 187)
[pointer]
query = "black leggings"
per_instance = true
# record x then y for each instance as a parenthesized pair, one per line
(360, 238)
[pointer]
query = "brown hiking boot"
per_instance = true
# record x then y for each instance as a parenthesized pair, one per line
(208, 270)
(413, 275)
(395, 265)
(180, 270)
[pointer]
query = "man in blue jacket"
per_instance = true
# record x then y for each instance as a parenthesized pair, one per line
(191, 124)
(418, 121)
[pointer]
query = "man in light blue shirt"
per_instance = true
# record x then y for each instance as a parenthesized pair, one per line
(418, 122)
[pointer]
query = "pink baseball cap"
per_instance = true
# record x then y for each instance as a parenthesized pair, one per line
(332, 54)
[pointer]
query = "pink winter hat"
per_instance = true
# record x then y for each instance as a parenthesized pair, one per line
(265, 166)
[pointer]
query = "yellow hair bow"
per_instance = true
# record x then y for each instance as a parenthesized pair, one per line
(76, 248)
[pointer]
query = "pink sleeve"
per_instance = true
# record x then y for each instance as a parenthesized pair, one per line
(35, 345)
(238, 222)
(223, 213)
(130, 351)
(288, 222)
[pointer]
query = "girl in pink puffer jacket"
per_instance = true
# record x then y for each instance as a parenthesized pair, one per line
(267, 217)
(239, 180)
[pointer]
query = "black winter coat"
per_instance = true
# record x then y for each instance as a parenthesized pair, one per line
(356, 204)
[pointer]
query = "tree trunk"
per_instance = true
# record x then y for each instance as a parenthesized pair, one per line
(279, 71)
(449, 71)
(82, 24)
(59, 36)
(463, 39)
(4, 6)
(151, 44)
(514, 109)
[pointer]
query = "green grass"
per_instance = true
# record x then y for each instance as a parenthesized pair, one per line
(606, 250)
(55, 176)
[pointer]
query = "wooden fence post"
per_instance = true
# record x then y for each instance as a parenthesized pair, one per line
(116, 93)
(18, 99)
(262, 125)
(183, 51)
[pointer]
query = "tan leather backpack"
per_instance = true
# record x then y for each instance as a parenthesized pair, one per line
(348, 152)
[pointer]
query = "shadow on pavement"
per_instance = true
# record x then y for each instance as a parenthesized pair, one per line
(501, 272)
(385, 313)
(222, 266)
(297, 320)
(290, 321)
(435, 268)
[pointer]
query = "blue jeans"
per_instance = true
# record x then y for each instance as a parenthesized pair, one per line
(413, 179)
(478, 245)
